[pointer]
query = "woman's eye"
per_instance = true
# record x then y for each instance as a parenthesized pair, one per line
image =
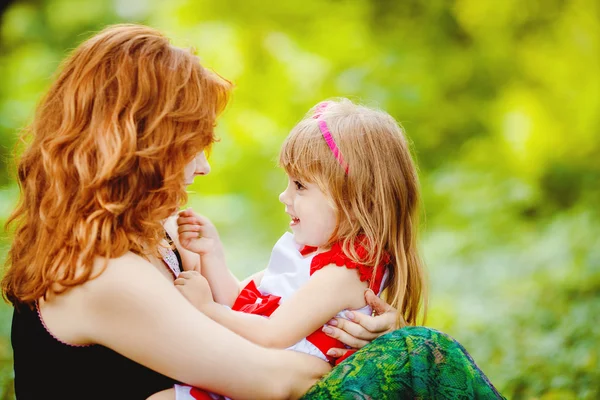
(299, 186)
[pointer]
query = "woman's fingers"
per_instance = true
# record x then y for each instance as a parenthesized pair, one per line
(379, 306)
(377, 325)
(386, 316)
(353, 328)
(359, 329)
(337, 353)
(344, 337)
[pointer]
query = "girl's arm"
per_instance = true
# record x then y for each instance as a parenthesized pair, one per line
(198, 236)
(256, 277)
(327, 292)
(132, 309)
(359, 329)
(189, 259)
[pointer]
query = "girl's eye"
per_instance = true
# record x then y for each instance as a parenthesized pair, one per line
(299, 186)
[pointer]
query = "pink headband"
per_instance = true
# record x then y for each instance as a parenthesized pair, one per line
(327, 135)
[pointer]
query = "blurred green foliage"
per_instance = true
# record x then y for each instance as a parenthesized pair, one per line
(500, 99)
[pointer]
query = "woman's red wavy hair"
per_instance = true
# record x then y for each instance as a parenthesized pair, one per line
(104, 157)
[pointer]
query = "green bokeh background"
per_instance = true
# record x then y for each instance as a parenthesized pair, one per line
(500, 99)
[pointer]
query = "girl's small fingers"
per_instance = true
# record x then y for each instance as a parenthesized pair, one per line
(202, 219)
(184, 220)
(189, 213)
(185, 213)
(188, 274)
(188, 228)
(188, 236)
(344, 337)
(188, 221)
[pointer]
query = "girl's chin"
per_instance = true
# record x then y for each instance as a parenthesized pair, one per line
(298, 238)
(303, 242)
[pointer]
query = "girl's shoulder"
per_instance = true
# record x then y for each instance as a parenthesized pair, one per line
(336, 256)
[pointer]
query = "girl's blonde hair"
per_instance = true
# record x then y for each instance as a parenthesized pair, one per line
(104, 157)
(377, 199)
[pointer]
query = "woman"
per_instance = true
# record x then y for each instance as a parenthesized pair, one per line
(113, 144)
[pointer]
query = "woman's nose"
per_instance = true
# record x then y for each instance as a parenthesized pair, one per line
(202, 165)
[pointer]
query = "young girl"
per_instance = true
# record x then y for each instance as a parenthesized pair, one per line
(352, 197)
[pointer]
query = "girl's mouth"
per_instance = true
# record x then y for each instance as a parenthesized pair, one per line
(294, 221)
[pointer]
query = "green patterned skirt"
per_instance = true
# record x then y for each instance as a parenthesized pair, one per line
(409, 363)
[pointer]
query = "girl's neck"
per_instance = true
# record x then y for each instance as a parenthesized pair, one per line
(322, 249)
(310, 250)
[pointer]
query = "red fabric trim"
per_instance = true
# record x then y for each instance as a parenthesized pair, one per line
(337, 257)
(324, 342)
(246, 301)
(306, 250)
(200, 394)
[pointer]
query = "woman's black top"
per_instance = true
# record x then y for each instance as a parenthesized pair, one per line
(46, 368)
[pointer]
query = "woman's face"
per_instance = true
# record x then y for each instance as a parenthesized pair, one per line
(198, 166)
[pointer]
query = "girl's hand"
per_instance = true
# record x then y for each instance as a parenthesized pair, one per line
(198, 234)
(362, 329)
(195, 288)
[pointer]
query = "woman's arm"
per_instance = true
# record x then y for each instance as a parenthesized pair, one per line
(133, 310)
(327, 292)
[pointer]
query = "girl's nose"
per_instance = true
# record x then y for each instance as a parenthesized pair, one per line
(283, 197)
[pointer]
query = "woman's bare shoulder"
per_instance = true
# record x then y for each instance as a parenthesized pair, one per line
(127, 276)
(73, 314)
(131, 292)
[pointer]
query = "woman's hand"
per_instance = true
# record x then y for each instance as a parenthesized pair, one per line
(198, 234)
(195, 288)
(362, 329)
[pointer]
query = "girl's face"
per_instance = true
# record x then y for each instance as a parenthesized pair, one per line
(198, 166)
(313, 216)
